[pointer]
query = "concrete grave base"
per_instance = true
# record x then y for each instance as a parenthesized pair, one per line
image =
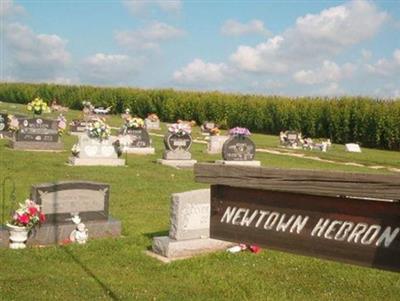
(49, 234)
(75, 161)
(36, 146)
(177, 163)
(240, 163)
(178, 249)
(78, 133)
(139, 150)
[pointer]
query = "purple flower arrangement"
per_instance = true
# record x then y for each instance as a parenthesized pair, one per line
(238, 131)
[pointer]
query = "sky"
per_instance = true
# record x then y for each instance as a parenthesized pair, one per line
(293, 48)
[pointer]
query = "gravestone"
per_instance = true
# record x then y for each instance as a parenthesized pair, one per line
(206, 127)
(152, 125)
(136, 141)
(60, 201)
(239, 150)
(3, 125)
(78, 126)
(190, 227)
(94, 152)
(3, 122)
(36, 134)
(176, 152)
(353, 148)
(215, 144)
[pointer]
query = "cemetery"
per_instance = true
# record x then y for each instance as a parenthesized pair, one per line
(130, 226)
(200, 150)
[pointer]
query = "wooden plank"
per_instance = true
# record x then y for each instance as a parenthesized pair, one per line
(355, 231)
(301, 181)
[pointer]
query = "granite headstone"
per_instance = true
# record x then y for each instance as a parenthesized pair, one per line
(59, 200)
(37, 130)
(238, 148)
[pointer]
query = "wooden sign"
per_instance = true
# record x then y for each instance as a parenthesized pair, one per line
(343, 227)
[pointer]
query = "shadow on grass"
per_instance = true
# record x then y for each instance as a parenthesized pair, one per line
(107, 290)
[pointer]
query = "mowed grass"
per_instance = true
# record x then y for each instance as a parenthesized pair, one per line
(118, 269)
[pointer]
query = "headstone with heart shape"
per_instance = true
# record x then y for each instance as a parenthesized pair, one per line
(177, 146)
(177, 154)
(93, 151)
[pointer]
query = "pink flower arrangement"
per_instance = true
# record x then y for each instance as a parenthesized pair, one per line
(62, 124)
(180, 129)
(28, 215)
(13, 123)
(238, 131)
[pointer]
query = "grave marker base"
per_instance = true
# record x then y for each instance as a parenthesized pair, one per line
(180, 249)
(75, 161)
(36, 146)
(240, 163)
(49, 234)
(139, 150)
(177, 163)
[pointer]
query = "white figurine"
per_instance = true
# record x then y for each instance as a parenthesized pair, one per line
(81, 233)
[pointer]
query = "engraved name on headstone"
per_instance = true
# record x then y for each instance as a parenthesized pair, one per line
(37, 130)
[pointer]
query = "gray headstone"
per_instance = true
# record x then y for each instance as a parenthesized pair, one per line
(152, 125)
(37, 130)
(3, 122)
(177, 142)
(60, 200)
(138, 137)
(215, 144)
(207, 126)
(78, 126)
(238, 148)
(190, 215)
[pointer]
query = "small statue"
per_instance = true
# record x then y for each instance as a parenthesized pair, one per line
(81, 234)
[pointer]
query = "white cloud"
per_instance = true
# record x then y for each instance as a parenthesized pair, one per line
(366, 54)
(328, 72)
(200, 72)
(149, 37)
(386, 67)
(235, 28)
(138, 7)
(31, 56)
(262, 58)
(333, 89)
(314, 37)
(9, 8)
(109, 68)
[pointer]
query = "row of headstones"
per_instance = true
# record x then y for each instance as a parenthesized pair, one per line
(39, 133)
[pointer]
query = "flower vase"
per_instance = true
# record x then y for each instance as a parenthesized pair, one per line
(18, 236)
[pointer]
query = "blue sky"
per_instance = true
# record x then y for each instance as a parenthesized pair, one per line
(290, 48)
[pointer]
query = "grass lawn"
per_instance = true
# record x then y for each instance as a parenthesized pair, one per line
(118, 269)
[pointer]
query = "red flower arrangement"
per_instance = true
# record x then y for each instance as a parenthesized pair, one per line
(28, 215)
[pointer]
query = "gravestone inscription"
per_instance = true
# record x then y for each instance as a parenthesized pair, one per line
(37, 130)
(59, 200)
(78, 126)
(138, 137)
(238, 148)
